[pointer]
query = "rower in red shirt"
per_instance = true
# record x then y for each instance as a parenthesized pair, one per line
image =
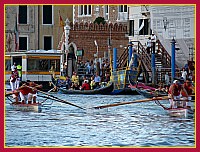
(189, 89)
(175, 93)
(33, 93)
(24, 90)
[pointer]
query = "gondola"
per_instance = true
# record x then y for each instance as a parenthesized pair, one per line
(150, 94)
(106, 90)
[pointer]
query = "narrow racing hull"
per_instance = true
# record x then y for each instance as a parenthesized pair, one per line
(181, 112)
(36, 107)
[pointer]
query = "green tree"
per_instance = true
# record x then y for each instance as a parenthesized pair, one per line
(99, 20)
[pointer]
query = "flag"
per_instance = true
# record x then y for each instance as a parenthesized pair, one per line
(16, 36)
(61, 22)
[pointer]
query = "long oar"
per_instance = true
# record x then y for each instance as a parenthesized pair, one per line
(124, 103)
(10, 93)
(59, 100)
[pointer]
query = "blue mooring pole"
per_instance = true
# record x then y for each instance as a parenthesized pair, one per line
(173, 70)
(135, 61)
(153, 67)
(130, 51)
(114, 59)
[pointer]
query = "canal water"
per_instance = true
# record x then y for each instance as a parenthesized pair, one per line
(134, 125)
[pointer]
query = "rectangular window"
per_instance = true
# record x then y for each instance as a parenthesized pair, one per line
(47, 14)
(144, 26)
(23, 43)
(80, 10)
(47, 42)
(131, 28)
(22, 18)
(89, 10)
(43, 64)
(122, 13)
(106, 14)
(8, 65)
(123, 8)
(85, 10)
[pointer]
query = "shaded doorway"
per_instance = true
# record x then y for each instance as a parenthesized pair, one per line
(71, 61)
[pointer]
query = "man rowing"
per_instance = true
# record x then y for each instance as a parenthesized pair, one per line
(28, 92)
(189, 88)
(33, 92)
(175, 94)
(24, 90)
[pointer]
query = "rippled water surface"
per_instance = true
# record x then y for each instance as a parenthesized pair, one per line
(138, 124)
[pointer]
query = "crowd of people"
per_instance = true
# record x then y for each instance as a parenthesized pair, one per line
(91, 76)
(83, 83)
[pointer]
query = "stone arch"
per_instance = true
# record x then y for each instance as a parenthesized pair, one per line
(71, 59)
(76, 26)
(115, 27)
(120, 27)
(106, 26)
(91, 26)
(81, 26)
(72, 44)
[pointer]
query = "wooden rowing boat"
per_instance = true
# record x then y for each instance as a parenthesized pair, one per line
(35, 107)
(181, 112)
(103, 90)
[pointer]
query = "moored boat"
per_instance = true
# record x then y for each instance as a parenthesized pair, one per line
(106, 90)
(35, 107)
(150, 94)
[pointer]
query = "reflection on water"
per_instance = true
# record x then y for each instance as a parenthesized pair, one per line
(139, 124)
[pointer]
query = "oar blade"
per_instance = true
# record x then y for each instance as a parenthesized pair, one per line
(125, 103)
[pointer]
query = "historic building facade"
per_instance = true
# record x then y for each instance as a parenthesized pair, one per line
(111, 13)
(167, 22)
(34, 27)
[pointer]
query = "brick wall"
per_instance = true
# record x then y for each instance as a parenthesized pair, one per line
(83, 35)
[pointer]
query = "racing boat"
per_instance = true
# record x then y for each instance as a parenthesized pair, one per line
(35, 107)
(180, 112)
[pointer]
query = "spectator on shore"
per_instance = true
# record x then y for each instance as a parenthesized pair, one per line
(92, 83)
(68, 82)
(184, 74)
(153, 43)
(149, 45)
(166, 78)
(13, 67)
(97, 80)
(85, 85)
(75, 78)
